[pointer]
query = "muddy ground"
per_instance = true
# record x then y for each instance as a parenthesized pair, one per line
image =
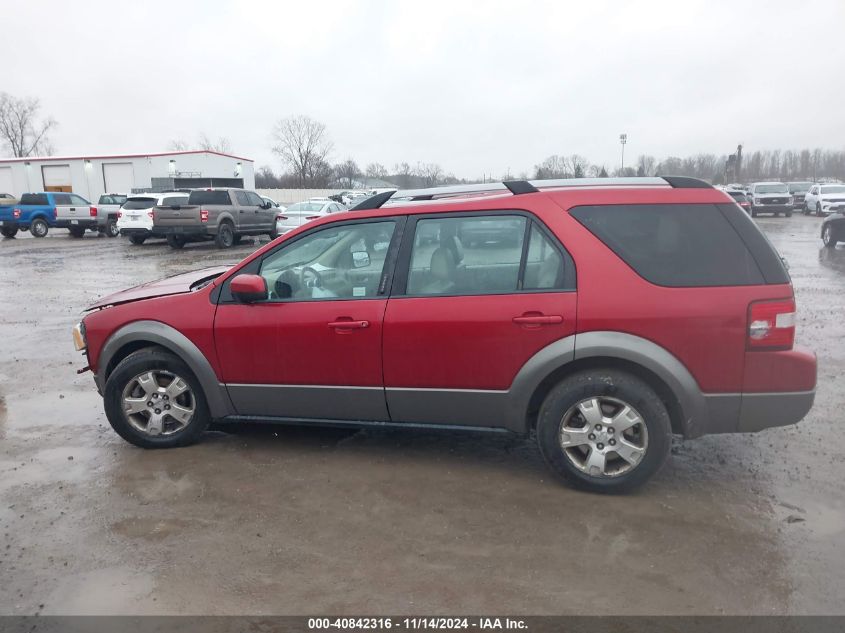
(302, 521)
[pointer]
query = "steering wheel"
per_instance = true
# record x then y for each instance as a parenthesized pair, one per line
(310, 278)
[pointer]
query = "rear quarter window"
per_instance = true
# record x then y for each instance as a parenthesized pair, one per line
(675, 245)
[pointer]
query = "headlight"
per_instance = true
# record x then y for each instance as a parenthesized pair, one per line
(79, 341)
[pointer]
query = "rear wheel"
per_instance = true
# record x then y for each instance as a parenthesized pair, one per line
(153, 400)
(9, 231)
(76, 231)
(111, 229)
(225, 237)
(137, 239)
(39, 228)
(175, 241)
(829, 235)
(604, 431)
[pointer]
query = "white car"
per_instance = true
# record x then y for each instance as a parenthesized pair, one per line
(273, 203)
(298, 214)
(135, 219)
(820, 198)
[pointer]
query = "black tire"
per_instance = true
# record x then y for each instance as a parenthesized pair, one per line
(76, 232)
(237, 240)
(818, 209)
(225, 237)
(175, 241)
(788, 214)
(613, 385)
(137, 239)
(9, 231)
(830, 236)
(39, 227)
(805, 210)
(141, 361)
(111, 229)
(753, 212)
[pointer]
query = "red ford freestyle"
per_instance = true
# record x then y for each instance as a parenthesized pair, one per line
(603, 315)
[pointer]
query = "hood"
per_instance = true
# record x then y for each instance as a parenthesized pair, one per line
(177, 284)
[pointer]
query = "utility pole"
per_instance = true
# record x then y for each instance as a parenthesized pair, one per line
(623, 138)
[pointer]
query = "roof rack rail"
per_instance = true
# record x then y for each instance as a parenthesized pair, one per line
(519, 187)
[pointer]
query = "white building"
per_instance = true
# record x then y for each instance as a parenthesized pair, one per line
(90, 176)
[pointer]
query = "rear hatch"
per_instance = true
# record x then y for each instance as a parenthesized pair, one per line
(137, 211)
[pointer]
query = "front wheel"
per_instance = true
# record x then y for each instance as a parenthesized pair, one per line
(39, 228)
(153, 400)
(829, 236)
(788, 214)
(9, 231)
(175, 241)
(604, 431)
(818, 209)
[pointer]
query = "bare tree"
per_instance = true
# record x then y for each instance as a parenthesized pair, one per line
(301, 143)
(376, 170)
(430, 173)
(177, 145)
(578, 166)
(646, 165)
(403, 175)
(347, 172)
(222, 145)
(21, 132)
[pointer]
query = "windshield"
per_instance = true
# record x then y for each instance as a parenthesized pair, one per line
(833, 189)
(776, 188)
(307, 206)
(799, 187)
(134, 204)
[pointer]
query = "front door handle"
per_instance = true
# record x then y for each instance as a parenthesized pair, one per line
(538, 319)
(348, 324)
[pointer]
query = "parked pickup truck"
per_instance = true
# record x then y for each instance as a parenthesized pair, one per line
(35, 212)
(222, 215)
(108, 212)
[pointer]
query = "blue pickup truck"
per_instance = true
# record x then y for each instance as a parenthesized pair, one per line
(38, 212)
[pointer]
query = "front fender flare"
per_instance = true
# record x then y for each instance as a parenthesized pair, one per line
(158, 333)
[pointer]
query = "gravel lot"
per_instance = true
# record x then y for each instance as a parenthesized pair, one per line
(301, 521)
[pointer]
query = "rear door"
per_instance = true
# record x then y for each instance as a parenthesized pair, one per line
(475, 296)
(247, 216)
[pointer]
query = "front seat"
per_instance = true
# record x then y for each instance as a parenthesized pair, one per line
(441, 273)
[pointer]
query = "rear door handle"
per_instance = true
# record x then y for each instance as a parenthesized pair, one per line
(349, 324)
(538, 319)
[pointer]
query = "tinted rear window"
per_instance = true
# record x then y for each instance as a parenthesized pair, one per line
(677, 245)
(737, 195)
(209, 197)
(139, 203)
(34, 198)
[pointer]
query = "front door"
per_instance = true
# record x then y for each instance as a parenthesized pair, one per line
(477, 297)
(312, 350)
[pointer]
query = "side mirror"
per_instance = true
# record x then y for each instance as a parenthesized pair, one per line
(360, 259)
(248, 288)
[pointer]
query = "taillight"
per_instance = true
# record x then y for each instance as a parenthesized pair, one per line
(17, 213)
(92, 211)
(771, 324)
(152, 215)
(281, 217)
(119, 214)
(203, 215)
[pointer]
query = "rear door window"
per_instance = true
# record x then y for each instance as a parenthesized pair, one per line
(676, 245)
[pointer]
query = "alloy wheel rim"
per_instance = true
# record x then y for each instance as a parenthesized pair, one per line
(158, 403)
(603, 437)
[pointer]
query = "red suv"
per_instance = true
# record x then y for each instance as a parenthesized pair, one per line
(602, 314)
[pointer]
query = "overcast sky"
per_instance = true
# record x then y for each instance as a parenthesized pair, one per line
(478, 87)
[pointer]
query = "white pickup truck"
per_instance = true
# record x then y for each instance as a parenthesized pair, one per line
(108, 208)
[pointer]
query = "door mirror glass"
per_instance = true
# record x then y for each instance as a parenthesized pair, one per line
(360, 259)
(248, 288)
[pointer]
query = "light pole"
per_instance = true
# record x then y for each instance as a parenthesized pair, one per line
(623, 138)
